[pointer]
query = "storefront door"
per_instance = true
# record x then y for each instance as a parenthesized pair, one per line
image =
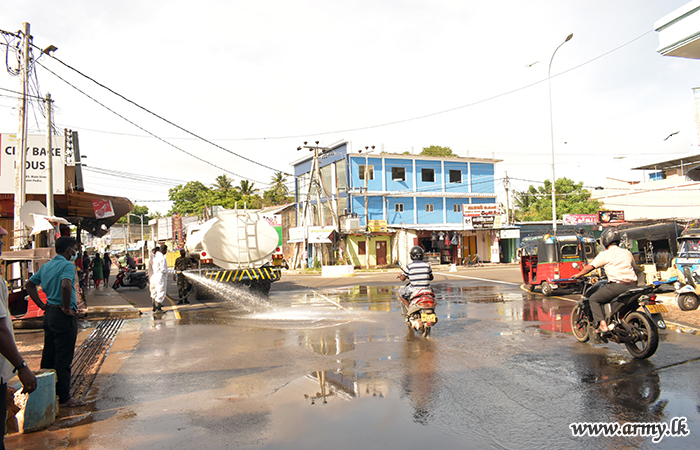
(381, 253)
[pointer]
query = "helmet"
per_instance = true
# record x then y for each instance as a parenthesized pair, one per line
(416, 253)
(609, 236)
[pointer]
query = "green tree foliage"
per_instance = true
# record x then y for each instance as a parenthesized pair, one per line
(193, 197)
(535, 204)
(279, 184)
(246, 188)
(223, 183)
(436, 150)
(138, 211)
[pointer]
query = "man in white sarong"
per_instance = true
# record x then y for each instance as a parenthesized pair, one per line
(160, 277)
(151, 281)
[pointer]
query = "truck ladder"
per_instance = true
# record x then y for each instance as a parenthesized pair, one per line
(244, 240)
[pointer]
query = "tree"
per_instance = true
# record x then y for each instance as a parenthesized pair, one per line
(138, 211)
(279, 184)
(536, 203)
(190, 198)
(246, 188)
(436, 150)
(223, 183)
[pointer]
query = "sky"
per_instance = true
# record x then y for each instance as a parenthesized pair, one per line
(258, 78)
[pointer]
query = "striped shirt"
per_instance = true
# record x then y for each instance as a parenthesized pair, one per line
(418, 273)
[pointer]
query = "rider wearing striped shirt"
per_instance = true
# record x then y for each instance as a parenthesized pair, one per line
(418, 273)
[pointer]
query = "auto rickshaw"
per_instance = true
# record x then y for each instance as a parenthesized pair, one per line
(550, 261)
(17, 267)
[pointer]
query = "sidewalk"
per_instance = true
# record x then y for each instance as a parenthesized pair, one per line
(107, 302)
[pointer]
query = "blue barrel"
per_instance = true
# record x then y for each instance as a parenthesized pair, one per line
(37, 410)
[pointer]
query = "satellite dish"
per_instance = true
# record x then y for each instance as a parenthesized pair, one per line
(29, 208)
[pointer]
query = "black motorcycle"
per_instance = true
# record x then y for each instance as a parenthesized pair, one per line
(128, 278)
(633, 318)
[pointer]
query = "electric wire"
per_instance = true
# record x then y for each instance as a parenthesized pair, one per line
(164, 119)
(140, 127)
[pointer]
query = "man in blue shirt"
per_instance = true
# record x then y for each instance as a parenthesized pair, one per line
(57, 278)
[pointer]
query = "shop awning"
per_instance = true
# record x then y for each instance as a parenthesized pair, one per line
(77, 208)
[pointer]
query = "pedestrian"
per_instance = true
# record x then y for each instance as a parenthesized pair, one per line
(106, 268)
(160, 274)
(11, 361)
(57, 278)
(183, 284)
(151, 280)
(97, 272)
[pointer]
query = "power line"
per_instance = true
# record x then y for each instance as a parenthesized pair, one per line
(140, 127)
(164, 119)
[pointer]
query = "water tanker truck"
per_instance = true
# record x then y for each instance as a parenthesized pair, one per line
(236, 247)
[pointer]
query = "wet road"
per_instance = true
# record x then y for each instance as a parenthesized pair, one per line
(334, 367)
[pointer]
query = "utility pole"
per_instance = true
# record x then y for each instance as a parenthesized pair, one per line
(19, 234)
(506, 184)
(49, 165)
(367, 231)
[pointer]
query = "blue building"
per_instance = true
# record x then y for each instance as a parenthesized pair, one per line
(406, 199)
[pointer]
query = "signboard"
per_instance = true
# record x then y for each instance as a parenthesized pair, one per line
(376, 226)
(510, 234)
(580, 219)
(296, 234)
(320, 235)
(103, 208)
(469, 210)
(37, 163)
(611, 216)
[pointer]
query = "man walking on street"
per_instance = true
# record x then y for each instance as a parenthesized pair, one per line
(160, 280)
(183, 284)
(11, 361)
(57, 278)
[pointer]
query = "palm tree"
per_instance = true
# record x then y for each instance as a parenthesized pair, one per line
(246, 188)
(279, 184)
(223, 183)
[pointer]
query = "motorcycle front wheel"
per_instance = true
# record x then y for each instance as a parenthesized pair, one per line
(648, 335)
(579, 324)
(115, 285)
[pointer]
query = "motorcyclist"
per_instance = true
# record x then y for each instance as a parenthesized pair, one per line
(619, 268)
(418, 272)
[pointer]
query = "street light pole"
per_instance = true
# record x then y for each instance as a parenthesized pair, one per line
(551, 128)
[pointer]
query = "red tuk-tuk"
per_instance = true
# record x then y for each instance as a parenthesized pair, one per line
(17, 267)
(547, 260)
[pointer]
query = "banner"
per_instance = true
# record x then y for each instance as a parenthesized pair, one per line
(580, 219)
(377, 226)
(178, 238)
(103, 208)
(37, 164)
(320, 235)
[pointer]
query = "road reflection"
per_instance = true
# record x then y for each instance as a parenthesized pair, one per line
(420, 380)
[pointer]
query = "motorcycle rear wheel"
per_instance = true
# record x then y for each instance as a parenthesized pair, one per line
(579, 324)
(649, 341)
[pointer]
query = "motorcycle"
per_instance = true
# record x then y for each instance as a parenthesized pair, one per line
(419, 311)
(634, 317)
(127, 277)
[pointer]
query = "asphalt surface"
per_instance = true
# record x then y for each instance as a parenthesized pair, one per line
(328, 362)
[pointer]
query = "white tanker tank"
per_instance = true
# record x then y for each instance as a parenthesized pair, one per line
(236, 247)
